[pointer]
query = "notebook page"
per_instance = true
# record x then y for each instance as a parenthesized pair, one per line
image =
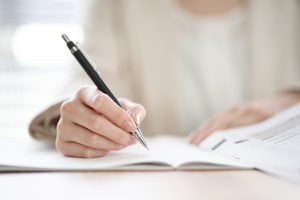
(164, 151)
(37, 155)
(177, 152)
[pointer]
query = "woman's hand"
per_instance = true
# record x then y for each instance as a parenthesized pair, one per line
(92, 124)
(245, 114)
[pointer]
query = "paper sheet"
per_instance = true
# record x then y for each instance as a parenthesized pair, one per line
(272, 146)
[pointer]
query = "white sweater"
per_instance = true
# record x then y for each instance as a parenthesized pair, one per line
(184, 70)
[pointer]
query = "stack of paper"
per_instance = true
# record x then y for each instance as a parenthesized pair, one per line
(272, 146)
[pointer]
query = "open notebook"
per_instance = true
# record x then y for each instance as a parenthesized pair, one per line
(166, 153)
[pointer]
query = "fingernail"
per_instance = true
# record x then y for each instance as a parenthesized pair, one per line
(129, 126)
(137, 119)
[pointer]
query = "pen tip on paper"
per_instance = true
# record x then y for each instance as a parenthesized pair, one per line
(143, 142)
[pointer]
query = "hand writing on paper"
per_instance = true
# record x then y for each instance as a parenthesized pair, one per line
(245, 114)
(91, 124)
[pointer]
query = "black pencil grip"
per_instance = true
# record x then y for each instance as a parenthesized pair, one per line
(94, 75)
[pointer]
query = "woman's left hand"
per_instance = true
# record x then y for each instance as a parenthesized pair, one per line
(245, 114)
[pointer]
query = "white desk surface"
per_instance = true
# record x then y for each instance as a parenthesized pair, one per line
(231, 185)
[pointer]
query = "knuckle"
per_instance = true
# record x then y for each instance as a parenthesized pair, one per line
(81, 90)
(66, 107)
(81, 110)
(121, 115)
(93, 140)
(100, 100)
(96, 123)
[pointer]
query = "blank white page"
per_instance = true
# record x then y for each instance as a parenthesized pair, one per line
(163, 150)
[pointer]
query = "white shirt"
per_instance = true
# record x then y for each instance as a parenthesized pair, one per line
(184, 69)
(214, 62)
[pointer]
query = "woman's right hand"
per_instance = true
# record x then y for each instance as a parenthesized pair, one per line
(92, 124)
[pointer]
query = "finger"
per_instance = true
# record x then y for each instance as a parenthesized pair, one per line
(218, 123)
(86, 117)
(125, 104)
(229, 119)
(239, 116)
(203, 131)
(73, 149)
(137, 112)
(78, 134)
(235, 117)
(246, 116)
(103, 104)
(243, 115)
(199, 134)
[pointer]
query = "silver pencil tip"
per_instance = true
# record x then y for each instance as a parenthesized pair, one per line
(139, 136)
(145, 145)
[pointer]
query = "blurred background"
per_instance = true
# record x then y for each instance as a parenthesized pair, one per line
(34, 60)
(31, 77)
